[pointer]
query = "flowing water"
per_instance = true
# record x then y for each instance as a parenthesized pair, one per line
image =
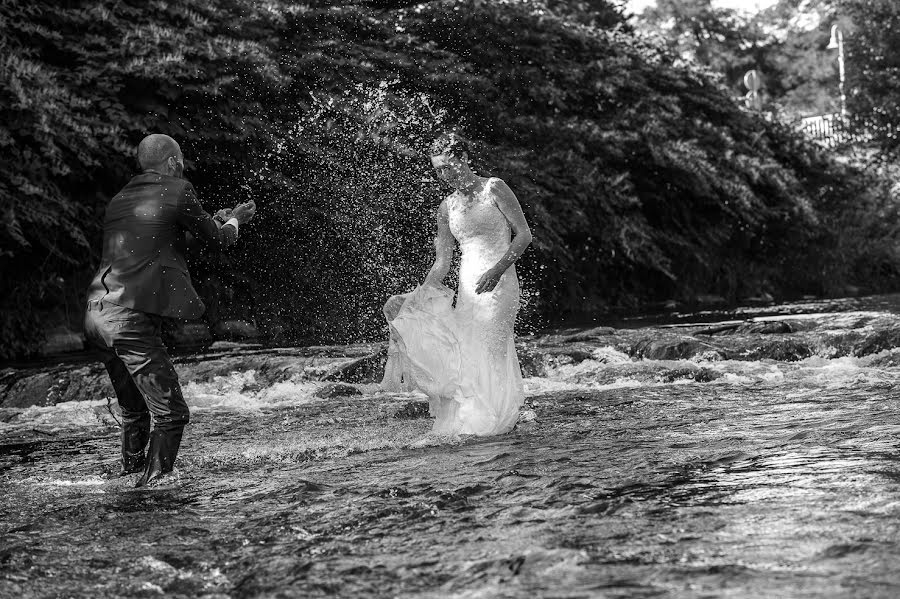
(748, 459)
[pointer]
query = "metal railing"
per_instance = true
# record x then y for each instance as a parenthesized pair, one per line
(830, 130)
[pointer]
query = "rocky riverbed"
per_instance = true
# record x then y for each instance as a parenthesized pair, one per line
(739, 457)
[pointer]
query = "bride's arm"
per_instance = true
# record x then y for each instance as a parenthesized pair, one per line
(509, 205)
(443, 245)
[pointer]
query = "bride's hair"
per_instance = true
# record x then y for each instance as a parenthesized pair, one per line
(455, 144)
(451, 143)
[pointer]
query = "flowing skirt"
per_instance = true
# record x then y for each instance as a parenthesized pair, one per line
(463, 358)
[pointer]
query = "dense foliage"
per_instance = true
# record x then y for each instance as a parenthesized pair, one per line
(786, 44)
(873, 73)
(642, 179)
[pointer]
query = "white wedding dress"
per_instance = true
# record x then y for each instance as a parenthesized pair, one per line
(464, 357)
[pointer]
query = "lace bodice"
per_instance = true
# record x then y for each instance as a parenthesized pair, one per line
(478, 225)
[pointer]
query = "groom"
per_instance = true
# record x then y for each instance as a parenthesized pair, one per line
(142, 278)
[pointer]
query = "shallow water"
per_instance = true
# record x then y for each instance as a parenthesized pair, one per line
(769, 479)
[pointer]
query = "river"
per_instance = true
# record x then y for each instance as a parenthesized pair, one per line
(721, 455)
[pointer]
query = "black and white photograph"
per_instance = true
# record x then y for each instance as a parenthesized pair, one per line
(450, 299)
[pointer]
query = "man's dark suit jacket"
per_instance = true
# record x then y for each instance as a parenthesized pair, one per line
(142, 266)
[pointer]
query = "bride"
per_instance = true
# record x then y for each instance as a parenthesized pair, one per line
(464, 357)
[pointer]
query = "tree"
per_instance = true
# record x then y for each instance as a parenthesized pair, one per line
(871, 41)
(805, 78)
(785, 43)
(642, 179)
(80, 84)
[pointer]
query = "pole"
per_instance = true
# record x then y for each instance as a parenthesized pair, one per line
(837, 42)
(841, 69)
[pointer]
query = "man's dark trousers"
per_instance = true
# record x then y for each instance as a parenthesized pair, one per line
(143, 277)
(144, 380)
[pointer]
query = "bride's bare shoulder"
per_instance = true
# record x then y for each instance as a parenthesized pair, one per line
(498, 190)
(496, 182)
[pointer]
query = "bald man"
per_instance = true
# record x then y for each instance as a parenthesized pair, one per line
(143, 278)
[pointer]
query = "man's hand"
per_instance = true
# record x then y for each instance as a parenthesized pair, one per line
(244, 212)
(488, 280)
(223, 215)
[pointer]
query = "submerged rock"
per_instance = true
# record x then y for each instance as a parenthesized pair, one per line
(669, 349)
(536, 360)
(413, 409)
(700, 375)
(21, 389)
(337, 390)
(594, 333)
(877, 341)
(781, 350)
(771, 327)
(762, 327)
(887, 360)
(710, 355)
(367, 369)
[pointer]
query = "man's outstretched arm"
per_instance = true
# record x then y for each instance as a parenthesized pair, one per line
(202, 226)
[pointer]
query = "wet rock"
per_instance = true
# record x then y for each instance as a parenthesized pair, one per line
(235, 330)
(668, 349)
(781, 350)
(28, 391)
(67, 382)
(61, 340)
(567, 355)
(724, 329)
(700, 375)
(536, 360)
(877, 341)
(368, 369)
(887, 360)
(770, 327)
(413, 409)
(594, 333)
(194, 336)
(762, 327)
(270, 369)
(710, 355)
(531, 362)
(843, 550)
(254, 387)
(337, 390)
(8, 414)
(166, 579)
(25, 389)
